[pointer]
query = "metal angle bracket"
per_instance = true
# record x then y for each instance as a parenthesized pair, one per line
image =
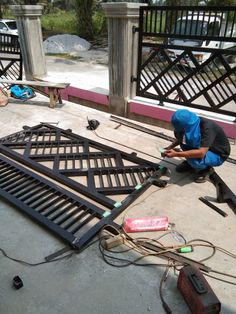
(224, 194)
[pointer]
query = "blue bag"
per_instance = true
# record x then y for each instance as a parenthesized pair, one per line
(21, 92)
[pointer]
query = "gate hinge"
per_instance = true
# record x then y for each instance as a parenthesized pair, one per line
(135, 29)
(133, 79)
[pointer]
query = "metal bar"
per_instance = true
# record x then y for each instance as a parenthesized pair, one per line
(141, 128)
(175, 256)
(218, 210)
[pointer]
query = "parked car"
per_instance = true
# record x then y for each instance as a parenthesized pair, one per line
(196, 24)
(8, 27)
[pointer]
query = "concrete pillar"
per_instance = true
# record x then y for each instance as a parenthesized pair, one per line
(31, 40)
(123, 53)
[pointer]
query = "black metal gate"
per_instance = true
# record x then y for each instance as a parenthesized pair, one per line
(10, 58)
(187, 56)
(103, 181)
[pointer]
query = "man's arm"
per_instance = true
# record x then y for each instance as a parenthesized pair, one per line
(173, 145)
(192, 153)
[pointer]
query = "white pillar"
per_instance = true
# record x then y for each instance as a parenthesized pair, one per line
(31, 40)
(123, 52)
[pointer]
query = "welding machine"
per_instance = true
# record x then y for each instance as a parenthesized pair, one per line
(197, 292)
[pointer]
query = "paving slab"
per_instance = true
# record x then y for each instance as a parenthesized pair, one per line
(84, 283)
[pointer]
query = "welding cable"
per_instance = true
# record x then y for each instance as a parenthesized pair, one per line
(106, 256)
(220, 279)
(144, 253)
(223, 273)
(162, 236)
(151, 193)
(210, 245)
(125, 262)
(163, 279)
(134, 149)
(23, 262)
(165, 249)
(34, 264)
(138, 244)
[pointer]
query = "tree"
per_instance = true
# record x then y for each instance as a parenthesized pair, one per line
(84, 11)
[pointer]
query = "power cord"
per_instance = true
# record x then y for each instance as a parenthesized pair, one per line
(34, 264)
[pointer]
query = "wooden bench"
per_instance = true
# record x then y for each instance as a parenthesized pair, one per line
(53, 88)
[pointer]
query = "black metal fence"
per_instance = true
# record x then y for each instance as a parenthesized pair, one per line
(187, 56)
(10, 57)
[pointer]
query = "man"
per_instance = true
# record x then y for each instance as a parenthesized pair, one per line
(203, 143)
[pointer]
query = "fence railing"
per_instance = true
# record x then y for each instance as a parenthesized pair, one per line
(166, 21)
(187, 56)
(11, 66)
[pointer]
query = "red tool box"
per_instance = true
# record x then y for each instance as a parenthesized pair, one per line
(197, 292)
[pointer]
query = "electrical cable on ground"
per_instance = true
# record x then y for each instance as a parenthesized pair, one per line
(163, 280)
(26, 263)
(146, 253)
(23, 262)
(134, 149)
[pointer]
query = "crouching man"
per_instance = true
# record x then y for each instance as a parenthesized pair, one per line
(203, 143)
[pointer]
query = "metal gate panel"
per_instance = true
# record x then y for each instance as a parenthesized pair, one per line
(59, 210)
(67, 215)
(62, 156)
(10, 58)
(94, 169)
(171, 72)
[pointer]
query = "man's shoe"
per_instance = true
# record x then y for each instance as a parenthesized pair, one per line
(184, 167)
(203, 175)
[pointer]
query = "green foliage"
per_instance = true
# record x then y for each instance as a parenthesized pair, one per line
(181, 2)
(221, 3)
(99, 22)
(60, 22)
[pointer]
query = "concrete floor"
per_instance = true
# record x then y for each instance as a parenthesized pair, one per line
(84, 283)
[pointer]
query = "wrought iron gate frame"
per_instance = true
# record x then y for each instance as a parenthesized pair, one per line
(9, 45)
(105, 215)
(145, 30)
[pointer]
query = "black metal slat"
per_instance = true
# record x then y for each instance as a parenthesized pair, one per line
(38, 196)
(34, 190)
(59, 203)
(16, 186)
(28, 186)
(76, 228)
(68, 213)
(62, 210)
(45, 203)
(77, 218)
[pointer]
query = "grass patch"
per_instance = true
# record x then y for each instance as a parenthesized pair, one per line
(61, 22)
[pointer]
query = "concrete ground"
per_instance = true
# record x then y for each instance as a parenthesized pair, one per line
(84, 283)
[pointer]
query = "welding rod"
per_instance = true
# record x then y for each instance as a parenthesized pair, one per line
(218, 210)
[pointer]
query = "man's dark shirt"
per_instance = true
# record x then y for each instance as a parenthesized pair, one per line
(212, 136)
